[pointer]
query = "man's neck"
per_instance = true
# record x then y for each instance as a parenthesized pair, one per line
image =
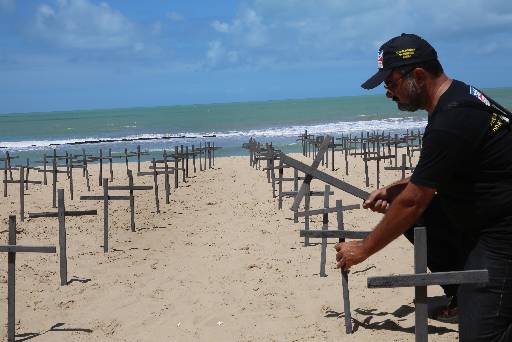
(434, 91)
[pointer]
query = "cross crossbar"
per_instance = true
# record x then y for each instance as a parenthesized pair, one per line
(67, 213)
(428, 279)
(99, 198)
(340, 234)
(127, 187)
(326, 178)
(29, 249)
(308, 175)
(327, 211)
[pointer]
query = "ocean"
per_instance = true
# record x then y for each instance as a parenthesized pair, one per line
(228, 125)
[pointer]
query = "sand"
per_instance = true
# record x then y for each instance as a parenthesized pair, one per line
(219, 263)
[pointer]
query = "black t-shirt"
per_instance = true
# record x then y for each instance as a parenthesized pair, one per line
(467, 156)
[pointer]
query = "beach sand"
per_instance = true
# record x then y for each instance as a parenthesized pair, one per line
(219, 263)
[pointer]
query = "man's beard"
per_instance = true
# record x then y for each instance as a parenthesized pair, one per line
(414, 97)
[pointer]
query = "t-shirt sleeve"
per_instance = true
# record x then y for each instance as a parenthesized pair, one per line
(442, 153)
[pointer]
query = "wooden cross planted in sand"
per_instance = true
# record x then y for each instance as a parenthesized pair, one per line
(307, 200)
(312, 172)
(12, 249)
(165, 170)
(100, 158)
(378, 157)
(61, 213)
(271, 155)
(22, 181)
(340, 233)
(295, 179)
(403, 168)
(7, 160)
(325, 223)
(156, 171)
(54, 171)
(107, 197)
(421, 279)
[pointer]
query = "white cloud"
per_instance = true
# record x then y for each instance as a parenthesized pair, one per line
(173, 16)
(217, 55)
(86, 25)
(295, 31)
(220, 26)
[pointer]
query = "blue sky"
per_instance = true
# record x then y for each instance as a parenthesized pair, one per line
(81, 54)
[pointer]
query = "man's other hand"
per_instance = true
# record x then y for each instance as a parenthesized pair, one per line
(378, 201)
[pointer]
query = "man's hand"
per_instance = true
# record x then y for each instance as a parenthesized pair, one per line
(349, 254)
(378, 201)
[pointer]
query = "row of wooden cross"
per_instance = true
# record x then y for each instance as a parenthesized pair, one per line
(204, 155)
(370, 146)
(420, 279)
(169, 164)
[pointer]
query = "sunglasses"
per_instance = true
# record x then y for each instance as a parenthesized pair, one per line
(390, 84)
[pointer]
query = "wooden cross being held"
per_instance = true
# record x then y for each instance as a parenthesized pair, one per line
(312, 172)
(421, 279)
(61, 213)
(325, 223)
(12, 249)
(308, 176)
(340, 233)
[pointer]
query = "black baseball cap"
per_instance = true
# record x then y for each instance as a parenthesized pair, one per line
(399, 51)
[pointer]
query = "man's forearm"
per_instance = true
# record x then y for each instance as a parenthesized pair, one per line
(394, 189)
(402, 214)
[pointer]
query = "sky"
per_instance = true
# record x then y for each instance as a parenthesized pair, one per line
(86, 54)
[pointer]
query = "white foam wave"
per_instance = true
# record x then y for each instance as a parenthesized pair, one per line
(390, 124)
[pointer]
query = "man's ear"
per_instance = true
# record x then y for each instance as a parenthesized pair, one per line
(420, 75)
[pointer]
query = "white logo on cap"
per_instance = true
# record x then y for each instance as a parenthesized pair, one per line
(380, 59)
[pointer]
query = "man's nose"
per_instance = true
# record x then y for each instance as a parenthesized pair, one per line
(389, 94)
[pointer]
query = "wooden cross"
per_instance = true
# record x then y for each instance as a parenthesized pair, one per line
(309, 177)
(420, 280)
(166, 170)
(325, 221)
(54, 171)
(326, 210)
(341, 234)
(12, 249)
(377, 158)
(106, 198)
(131, 188)
(324, 177)
(6, 178)
(403, 168)
(22, 183)
(61, 214)
(155, 174)
(7, 159)
(282, 179)
(100, 158)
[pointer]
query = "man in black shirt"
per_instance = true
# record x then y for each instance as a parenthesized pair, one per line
(461, 188)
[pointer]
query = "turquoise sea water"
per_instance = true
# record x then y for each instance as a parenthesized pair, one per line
(280, 121)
